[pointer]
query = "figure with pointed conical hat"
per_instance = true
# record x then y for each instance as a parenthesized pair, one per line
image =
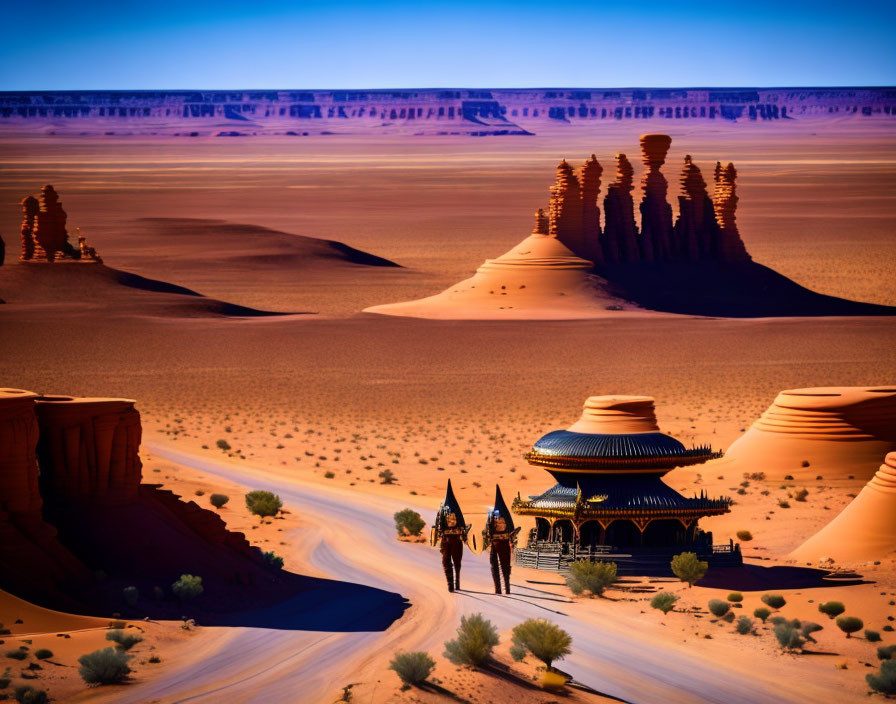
(499, 536)
(450, 532)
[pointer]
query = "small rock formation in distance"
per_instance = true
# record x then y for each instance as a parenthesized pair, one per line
(44, 234)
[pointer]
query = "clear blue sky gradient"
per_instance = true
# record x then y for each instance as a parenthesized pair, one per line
(149, 44)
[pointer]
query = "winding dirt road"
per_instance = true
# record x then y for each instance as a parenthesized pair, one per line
(351, 537)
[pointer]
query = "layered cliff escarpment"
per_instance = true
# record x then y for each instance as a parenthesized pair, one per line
(863, 531)
(833, 432)
(72, 506)
(451, 112)
(693, 263)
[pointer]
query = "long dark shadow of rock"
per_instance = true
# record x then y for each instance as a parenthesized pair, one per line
(758, 578)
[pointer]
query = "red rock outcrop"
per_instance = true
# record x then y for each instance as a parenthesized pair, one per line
(834, 432)
(542, 223)
(44, 235)
(730, 247)
(696, 231)
(589, 177)
(656, 214)
(620, 241)
(89, 449)
(31, 559)
(30, 249)
(565, 209)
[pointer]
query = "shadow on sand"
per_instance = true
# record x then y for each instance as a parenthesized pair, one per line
(749, 578)
(321, 605)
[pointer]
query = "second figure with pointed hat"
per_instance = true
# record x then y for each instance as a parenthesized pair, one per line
(499, 536)
(450, 533)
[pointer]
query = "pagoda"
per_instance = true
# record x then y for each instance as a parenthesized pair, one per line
(610, 503)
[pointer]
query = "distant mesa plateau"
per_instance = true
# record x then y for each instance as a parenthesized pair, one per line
(581, 263)
(77, 525)
(466, 112)
(51, 270)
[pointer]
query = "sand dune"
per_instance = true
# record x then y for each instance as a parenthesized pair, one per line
(539, 279)
(830, 431)
(86, 288)
(865, 529)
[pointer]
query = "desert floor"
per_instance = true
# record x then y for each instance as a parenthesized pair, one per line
(300, 397)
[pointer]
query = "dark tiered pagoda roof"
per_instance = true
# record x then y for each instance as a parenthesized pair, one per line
(565, 449)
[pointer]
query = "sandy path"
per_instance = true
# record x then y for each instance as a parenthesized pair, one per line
(248, 664)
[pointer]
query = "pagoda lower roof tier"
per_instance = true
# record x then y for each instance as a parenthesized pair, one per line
(619, 496)
(640, 452)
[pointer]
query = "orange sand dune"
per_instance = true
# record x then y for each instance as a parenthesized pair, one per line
(866, 529)
(539, 279)
(36, 619)
(830, 431)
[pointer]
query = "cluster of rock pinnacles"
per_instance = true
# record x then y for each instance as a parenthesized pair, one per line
(704, 230)
(44, 237)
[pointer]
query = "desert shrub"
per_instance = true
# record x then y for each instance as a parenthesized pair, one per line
(776, 601)
(476, 638)
(688, 568)
(155, 659)
(273, 559)
(518, 652)
(29, 695)
(735, 597)
(872, 636)
(808, 628)
(718, 608)
(744, 535)
(664, 601)
(832, 609)
(218, 500)
(117, 624)
(762, 613)
(223, 445)
(187, 587)
(729, 617)
(408, 520)
(775, 620)
(388, 477)
(593, 577)
(329, 475)
(106, 666)
(849, 625)
(412, 668)
(263, 503)
(885, 680)
(800, 494)
(16, 654)
(789, 635)
(125, 641)
(131, 595)
(545, 640)
(43, 653)
(885, 652)
(744, 625)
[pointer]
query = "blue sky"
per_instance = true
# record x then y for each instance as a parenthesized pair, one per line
(264, 44)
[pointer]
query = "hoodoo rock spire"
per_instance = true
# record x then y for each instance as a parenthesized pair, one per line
(589, 177)
(566, 208)
(731, 247)
(656, 214)
(620, 231)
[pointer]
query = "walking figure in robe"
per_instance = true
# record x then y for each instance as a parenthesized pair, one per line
(499, 536)
(450, 532)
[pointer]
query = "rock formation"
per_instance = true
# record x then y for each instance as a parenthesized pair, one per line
(620, 240)
(617, 415)
(696, 229)
(863, 531)
(89, 448)
(565, 209)
(542, 223)
(589, 177)
(44, 235)
(31, 559)
(30, 249)
(833, 432)
(656, 214)
(730, 247)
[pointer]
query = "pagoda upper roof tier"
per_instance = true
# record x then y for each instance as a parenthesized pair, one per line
(616, 434)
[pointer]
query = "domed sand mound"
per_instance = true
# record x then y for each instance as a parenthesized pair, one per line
(838, 431)
(865, 529)
(540, 278)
